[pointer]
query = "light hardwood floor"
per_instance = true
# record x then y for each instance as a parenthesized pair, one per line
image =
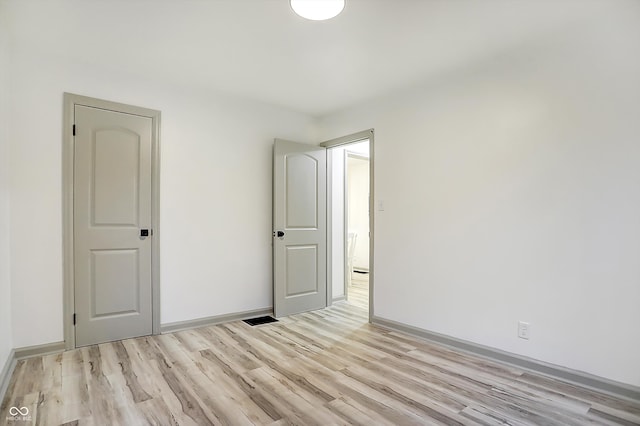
(318, 368)
(358, 291)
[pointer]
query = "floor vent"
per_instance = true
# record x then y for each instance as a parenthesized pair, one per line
(260, 320)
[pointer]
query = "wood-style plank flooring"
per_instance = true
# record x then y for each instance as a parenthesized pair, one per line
(358, 291)
(319, 368)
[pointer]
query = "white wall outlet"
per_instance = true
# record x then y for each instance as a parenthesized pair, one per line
(524, 330)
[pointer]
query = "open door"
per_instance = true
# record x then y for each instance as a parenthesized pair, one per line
(299, 228)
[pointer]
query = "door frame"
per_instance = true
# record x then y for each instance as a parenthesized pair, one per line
(70, 102)
(347, 140)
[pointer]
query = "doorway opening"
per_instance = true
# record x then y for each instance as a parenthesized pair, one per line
(350, 219)
(323, 223)
(356, 208)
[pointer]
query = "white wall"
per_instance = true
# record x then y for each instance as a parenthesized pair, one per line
(511, 193)
(6, 339)
(358, 202)
(215, 192)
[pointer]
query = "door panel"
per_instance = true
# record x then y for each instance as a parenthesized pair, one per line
(299, 212)
(116, 159)
(302, 276)
(115, 282)
(302, 186)
(112, 202)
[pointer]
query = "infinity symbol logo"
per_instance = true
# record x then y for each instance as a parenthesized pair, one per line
(14, 411)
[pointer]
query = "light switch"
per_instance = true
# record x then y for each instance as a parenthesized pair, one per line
(380, 205)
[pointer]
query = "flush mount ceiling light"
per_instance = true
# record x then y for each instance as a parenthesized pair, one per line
(317, 10)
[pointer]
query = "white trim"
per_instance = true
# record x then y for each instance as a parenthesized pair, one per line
(6, 373)
(218, 319)
(580, 378)
(22, 353)
(346, 140)
(39, 350)
(349, 139)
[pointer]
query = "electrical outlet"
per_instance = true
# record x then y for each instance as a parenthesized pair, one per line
(524, 330)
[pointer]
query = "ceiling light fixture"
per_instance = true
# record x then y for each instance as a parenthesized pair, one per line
(317, 10)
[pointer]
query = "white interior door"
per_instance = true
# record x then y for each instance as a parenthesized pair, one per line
(112, 210)
(300, 228)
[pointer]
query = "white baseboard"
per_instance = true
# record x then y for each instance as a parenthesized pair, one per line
(574, 376)
(21, 353)
(581, 378)
(218, 319)
(6, 372)
(39, 350)
(31, 351)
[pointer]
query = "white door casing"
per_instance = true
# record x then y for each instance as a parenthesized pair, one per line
(300, 227)
(330, 145)
(112, 205)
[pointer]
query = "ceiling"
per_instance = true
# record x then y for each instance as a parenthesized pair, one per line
(260, 49)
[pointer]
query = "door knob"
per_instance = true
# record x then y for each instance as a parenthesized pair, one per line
(280, 234)
(144, 232)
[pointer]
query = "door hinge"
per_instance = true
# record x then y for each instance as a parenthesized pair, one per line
(74, 319)
(74, 130)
